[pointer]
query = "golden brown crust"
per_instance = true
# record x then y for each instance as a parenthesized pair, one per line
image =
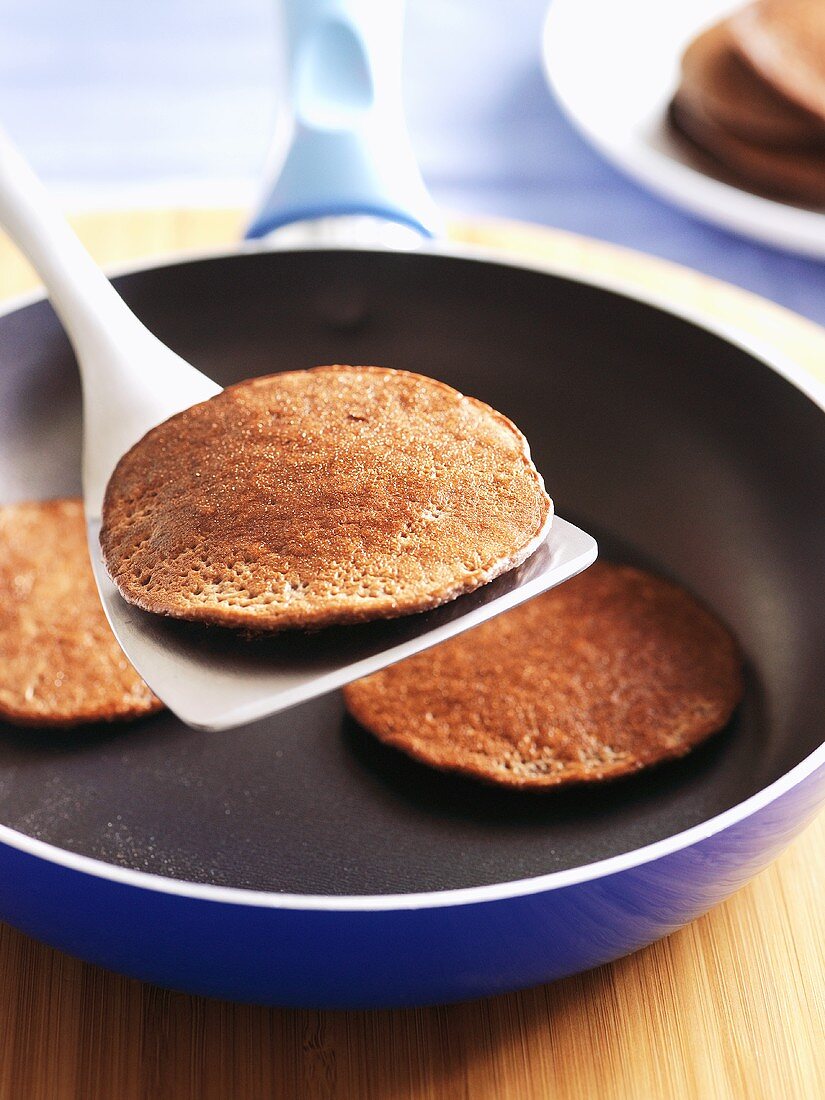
(59, 662)
(718, 82)
(311, 498)
(784, 41)
(794, 174)
(611, 672)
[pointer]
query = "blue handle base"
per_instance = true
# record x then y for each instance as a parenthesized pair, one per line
(342, 144)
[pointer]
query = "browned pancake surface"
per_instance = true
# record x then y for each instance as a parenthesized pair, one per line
(784, 41)
(59, 662)
(613, 671)
(719, 82)
(333, 495)
(794, 174)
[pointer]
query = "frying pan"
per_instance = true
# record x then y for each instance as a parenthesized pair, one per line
(299, 862)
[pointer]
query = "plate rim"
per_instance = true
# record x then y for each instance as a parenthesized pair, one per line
(755, 347)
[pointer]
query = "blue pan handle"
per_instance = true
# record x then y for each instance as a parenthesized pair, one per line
(342, 146)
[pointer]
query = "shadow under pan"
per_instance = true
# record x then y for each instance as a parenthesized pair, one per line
(678, 450)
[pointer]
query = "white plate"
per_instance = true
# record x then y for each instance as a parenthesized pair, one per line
(614, 65)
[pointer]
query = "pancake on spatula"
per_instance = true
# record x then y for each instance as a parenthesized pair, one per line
(59, 662)
(718, 83)
(784, 41)
(613, 671)
(318, 497)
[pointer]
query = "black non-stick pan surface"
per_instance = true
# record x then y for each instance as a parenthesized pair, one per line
(679, 450)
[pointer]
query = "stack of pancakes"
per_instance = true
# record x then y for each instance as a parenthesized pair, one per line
(752, 98)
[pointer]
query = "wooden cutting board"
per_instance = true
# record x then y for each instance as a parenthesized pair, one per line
(732, 1006)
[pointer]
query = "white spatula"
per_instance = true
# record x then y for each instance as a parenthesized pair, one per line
(131, 381)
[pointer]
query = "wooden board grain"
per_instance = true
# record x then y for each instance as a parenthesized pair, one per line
(732, 1006)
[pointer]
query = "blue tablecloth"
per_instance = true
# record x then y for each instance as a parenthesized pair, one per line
(179, 96)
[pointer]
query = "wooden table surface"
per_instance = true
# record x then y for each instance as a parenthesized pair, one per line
(731, 1006)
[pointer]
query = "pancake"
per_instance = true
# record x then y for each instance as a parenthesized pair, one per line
(318, 497)
(784, 41)
(797, 175)
(717, 81)
(59, 662)
(613, 671)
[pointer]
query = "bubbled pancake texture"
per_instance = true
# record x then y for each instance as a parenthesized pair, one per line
(316, 497)
(59, 662)
(610, 672)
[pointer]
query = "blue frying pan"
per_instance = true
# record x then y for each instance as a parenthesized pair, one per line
(298, 861)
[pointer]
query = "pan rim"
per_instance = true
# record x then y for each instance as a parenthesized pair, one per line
(758, 349)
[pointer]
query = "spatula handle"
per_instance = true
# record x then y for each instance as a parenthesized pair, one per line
(131, 381)
(341, 144)
(88, 306)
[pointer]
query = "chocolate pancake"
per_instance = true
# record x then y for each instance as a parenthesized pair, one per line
(784, 41)
(611, 672)
(797, 175)
(59, 662)
(718, 82)
(333, 495)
